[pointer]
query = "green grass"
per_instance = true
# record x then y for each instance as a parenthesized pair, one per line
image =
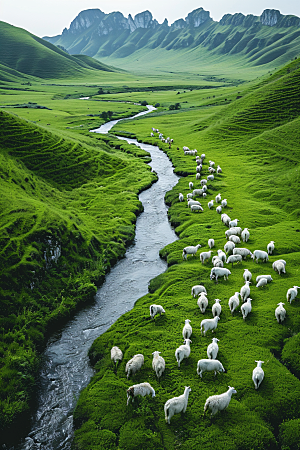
(255, 139)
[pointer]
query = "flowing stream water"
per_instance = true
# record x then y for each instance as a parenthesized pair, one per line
(65, 369)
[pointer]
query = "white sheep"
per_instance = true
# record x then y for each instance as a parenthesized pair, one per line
(139, 389)
(158, 364)
(211, 163)
(190, 250)
(244, 252)
(193, 202)
(191, 185)
(197, 289)
(245, 235)
(222, 255)
(183, 351)
(229, 246)
(210, 204)
(205, 256)
(176, 405)
(233, 223)
(292, 293)
(235, 239)
(225, 218)
(196, 208)
(204, 194)
(204, 189)
(218, 198)
(224, 203)
(270, 247)
(245, 291)
(134, 364)
(209, 324)
(234, 302)
(219, 170)
(246, 308)
(198, 176)
(260, 254)
(156, 309)
(234, 259)
(247, 275)
(210, 178)
(279, 266)
(217, 262)
(267, 277)
(258, 374)
(209, 365)
(211, 170)
(181, 197)
(216, 308)
(262, 282)
(203, 156)
(280, 312)
(187, 329)
(217, 272)
(219, 209)
(203, 182)
(116, 355)
(211, 243)
(198, 192)
(189, 196)
(213, 348)
(233, 231)
(220, 402)
(202, 302)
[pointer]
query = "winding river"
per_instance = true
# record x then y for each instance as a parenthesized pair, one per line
(65, 369)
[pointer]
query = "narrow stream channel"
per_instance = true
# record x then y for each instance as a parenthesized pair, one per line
(65, 368)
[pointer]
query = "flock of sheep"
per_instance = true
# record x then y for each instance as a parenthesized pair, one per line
(231, 254)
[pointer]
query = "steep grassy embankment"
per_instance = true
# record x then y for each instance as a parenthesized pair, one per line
(67, 212)
(255, 139)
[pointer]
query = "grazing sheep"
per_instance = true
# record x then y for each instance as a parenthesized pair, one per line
(279, 266)
(217, 262)
(211, 170)
(292, 293)
(196, 208)
(211, 163)
(233, 231)
(176, 405)
(158, 364)
(197, 289)
(233, 223)
(280, 312)
(156, 309)
(204, 194)
(191, 185)
(260, 254)
(262, 282)
(246, 307)
(203, 182)
(229, 246)
(190, 203)
(198, 169)
(225, 218)
(218, 198)
(222, 255)
(245, 291)
(235, 239)
(210, 178)
(204, 189)
(183, 351)
(244, 252)
(224, 203)
(267, 277)
(209, 324)
(187, 329)
(213, 348)
(139, 389)
(271, 247)
(247, 275)
(220, 402)
(181, 197)
(234, 302)
(202, 302)
(198, 176)
(258, 374)
(217, 272)
(203, 156)
(210, 204)
(219, 209)
(209, 365)
(134, 364)
(198, 192)
(216, 308)
(234, 259)
(116, 355)
(211, 243)
(219, 170)
(189, 196)
(191, 250)
(205, 256)
(245, 235)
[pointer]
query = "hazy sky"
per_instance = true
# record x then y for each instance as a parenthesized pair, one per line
(50, 17)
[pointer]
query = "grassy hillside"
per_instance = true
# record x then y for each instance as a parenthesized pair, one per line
(254, 137)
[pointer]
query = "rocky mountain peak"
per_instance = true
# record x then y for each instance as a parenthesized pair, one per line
(270, 17)
(197, 17)
(85, 19)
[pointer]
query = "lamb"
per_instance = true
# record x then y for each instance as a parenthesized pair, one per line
(280, 312)
(213, 348)
(260, 254)
(211, 243)
(229, 246)
(181, 197)
(197, 289)
(196, 208)
(216, 308)
(156, 309)
(225, 218)
(279, 266)
(224, 203)
(245, 235)
(191, 185)
(233, 223)
(218, 198)
(219, 272)
(222, 255)
(158, 364)
(233, 231)
(176, 405)
(244, 252)
(246, 307)
(183, 351)
(234, 302)
(217, 262)
(187, 330)
(247, 275)
(191, 250)
(134, 364)
(139, 389)
(202, 302)
(245, 291)
(198, 192)
(209, 365)
(235, 239)
(205, 256)
(219, 209)
(270, 247)
(116, 355)
(292, 293)
(220, 402)
(262, 282)
(210, 204)
(258, 374)
(210, 178)
(234, 259)
(267, 277)
(209, 324)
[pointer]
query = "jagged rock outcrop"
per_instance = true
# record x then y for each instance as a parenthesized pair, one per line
(179, 24)
(270, 17)
(113, 21)
(84, 20)
(197, 17)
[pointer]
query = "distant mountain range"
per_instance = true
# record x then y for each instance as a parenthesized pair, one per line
(261, 39)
